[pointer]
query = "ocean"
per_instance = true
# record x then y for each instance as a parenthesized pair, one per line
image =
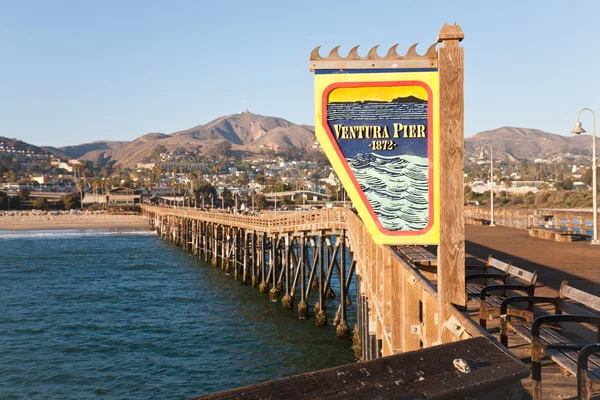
(118, 314)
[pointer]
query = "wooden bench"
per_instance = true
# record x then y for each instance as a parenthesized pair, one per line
(417, 255)
(545, 333)
(476, 221)
(497, 286)
(498, 274)
(551, 234)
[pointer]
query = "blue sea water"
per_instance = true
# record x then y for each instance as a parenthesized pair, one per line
(100, 314)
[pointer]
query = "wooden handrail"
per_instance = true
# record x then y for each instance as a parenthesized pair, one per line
(522, 219)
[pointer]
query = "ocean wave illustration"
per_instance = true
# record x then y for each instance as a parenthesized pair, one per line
(376, 111)
(397, 188)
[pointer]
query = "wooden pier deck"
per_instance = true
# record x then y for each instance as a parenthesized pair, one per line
(576, 262)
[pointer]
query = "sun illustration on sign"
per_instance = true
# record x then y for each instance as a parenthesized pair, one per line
(381, 133)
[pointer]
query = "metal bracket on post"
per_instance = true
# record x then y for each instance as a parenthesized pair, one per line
(454, 326)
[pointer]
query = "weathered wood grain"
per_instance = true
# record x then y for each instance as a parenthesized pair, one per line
(428, 373)
(451, 250)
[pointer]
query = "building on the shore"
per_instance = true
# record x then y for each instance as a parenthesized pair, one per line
(124, 197)
(306, 195)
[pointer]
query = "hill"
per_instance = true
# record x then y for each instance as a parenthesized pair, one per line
(19, 145)
(521, 143)
(245, 131)
(81, 150)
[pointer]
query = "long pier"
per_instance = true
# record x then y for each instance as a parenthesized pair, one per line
(301, 259)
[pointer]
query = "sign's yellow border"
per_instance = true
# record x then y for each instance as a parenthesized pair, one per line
(429, 78)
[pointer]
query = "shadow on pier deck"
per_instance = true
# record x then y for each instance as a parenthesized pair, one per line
(576, 262)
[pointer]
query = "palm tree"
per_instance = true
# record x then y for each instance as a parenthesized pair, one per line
(96, 184)
(507, 184)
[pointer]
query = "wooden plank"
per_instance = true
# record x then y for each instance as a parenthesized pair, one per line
(416, 254)
(580, 296)
(451, 250)
(428, 373)
(361, 64)
(429, 328)
(529, 277)
(500, 265)
(387, 296)
(397, 288)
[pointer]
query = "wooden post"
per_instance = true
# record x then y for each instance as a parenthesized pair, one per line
(451, 251)
(254, 259)
(397, 307)
(320, 265)
(224, 243)
(245, 250)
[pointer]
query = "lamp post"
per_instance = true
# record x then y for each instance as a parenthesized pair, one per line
(481, 158)
(577, 130)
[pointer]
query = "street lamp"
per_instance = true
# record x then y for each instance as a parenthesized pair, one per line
(481, 158)
(577, 130)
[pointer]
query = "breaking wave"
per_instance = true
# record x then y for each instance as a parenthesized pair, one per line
(72, 233)
(397, 188)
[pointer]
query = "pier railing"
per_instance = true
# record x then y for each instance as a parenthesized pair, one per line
(397, 309)
(330, 218)
(522, 219)
(404, 306)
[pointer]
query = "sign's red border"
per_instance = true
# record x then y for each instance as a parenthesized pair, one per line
(324, 101)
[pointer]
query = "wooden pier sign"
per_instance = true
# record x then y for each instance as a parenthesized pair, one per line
(377, 119)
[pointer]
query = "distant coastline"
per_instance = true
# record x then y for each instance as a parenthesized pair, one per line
(21, 221)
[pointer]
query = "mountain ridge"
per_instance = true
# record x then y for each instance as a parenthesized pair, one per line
(243, 131)
(515, 143)
(252, 132)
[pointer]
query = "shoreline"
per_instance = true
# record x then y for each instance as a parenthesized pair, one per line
(48, 221)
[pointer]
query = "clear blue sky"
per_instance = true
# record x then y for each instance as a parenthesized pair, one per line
(73, 72)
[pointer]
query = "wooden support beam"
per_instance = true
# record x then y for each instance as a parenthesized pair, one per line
(451, 250)
(245, 249)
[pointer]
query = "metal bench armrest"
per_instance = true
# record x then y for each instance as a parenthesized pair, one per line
(551, 319)
(496, 288)
(526, 299)
(583, 383)
(585, 353)
(490, 275)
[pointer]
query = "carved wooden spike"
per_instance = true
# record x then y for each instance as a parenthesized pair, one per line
(314, 54)
(353, 54)
(392, 53)
(372, 55)
(412, 51)
(334, 54)
(431, 51)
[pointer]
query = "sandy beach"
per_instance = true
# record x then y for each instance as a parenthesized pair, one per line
(18, 221)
